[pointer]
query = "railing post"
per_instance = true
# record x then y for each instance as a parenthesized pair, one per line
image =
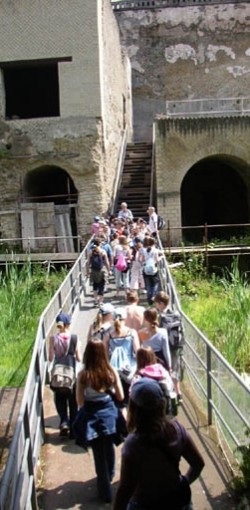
(169, 237)
(206, 244)
(209, 387)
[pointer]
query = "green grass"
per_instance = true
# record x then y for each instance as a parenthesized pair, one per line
(219, 307)
(24, 293)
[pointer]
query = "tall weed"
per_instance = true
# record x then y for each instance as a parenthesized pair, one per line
(24, 293)
(220, 308)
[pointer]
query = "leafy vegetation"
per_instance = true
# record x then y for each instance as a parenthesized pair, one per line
(24, 293)
(241, 483)
(218, 306)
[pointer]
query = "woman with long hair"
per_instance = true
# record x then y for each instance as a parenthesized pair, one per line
(150, 475)
(156, 338)
(99, 414)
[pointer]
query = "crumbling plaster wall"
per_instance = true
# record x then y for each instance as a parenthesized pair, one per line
(185, 53)
(180, 143)
(85, 139)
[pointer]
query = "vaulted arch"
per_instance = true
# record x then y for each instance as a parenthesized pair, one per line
(215, 191)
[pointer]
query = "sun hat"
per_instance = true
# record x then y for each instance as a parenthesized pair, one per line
(146, 393)
(106, 308)
(63, 319)
(120, 313)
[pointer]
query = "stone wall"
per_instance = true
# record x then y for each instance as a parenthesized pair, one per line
(85, 140)
(185, 53)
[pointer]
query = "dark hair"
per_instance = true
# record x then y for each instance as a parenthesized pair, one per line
(155, 427)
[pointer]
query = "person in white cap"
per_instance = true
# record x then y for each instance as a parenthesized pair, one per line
(102, 323)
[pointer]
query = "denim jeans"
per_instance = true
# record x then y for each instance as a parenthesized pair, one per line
(152, 285)
(104, 458)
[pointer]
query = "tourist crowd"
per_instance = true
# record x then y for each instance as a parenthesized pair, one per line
(129, 387)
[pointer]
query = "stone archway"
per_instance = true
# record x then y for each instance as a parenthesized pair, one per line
(49, 199)
(214, 191)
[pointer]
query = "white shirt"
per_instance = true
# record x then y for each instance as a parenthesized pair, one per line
(152, 221)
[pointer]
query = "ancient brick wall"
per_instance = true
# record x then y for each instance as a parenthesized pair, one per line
(85, 139)
(185, 53)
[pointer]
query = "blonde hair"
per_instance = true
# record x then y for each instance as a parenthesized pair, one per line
(123, 240)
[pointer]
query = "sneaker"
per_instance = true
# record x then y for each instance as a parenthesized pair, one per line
(64, 430)
(179, 398)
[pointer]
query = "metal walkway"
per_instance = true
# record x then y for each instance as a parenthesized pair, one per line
(45, 472)
(67, 474)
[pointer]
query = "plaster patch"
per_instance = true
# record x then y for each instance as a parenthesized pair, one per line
(237, 71)
(132, 50)
(137, 67)
(180, 51)
(212, 51)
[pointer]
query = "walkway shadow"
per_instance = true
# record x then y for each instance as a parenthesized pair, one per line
(71, 495)
(213, 457)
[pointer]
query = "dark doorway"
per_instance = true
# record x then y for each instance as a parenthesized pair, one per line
(31, 90)
(49, 184)
(52, 184)
(214, 192)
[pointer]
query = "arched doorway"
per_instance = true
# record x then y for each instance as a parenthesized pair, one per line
(214, 192)
(49, 200)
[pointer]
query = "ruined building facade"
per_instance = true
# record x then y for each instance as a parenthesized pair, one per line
(65, 100)
(74, 75)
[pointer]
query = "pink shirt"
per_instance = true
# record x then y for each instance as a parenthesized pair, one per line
(95, 228)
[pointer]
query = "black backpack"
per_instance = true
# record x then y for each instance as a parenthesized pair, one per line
(171, 321)
(96, 261)
(160, 222)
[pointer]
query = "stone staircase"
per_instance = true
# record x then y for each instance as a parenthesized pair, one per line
(136, 178)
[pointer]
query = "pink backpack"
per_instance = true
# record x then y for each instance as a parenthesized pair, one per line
(121, 264)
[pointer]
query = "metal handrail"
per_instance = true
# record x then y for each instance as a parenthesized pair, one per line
(224, 396)
(119, 170)
(17, 489)
(152, 177)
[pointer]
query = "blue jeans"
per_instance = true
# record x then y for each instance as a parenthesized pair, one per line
(152, 285)
(104, 457)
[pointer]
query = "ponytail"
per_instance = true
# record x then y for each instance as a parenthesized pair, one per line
(117, 324)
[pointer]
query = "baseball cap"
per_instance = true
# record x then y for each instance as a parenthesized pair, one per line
(146, 393)
(120, 313)
(96, 218)
(107, 308)
(63, 319)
